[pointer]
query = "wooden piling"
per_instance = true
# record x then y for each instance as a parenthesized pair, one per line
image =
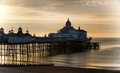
(53, 47)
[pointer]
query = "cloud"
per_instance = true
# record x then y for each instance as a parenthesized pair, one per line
(83, 2)
(67, 7)
(119, 0)
(56, 3)
(26, 8)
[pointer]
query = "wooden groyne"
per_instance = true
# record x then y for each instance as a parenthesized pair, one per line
(19, 65)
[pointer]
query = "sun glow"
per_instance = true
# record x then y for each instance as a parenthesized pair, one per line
(3, 13)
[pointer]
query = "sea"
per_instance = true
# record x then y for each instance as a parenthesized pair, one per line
(106, 57)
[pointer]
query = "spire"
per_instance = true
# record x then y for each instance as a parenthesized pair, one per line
(27, 32)
(1, 30)
(12, 27)
(34, 35)
(68, 19)
(79, 28)
(20, 29)
(27, 27)
(45, 35)
(68, 23)
(9, 31)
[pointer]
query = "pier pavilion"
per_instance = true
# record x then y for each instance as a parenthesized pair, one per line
(68, 32)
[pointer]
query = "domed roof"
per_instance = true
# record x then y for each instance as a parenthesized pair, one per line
(12, 30)
(9, 31)
(2, 29)
(68, 23)
(27, 32)
(19, 28)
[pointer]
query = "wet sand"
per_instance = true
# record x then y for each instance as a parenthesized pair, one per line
(53, 69)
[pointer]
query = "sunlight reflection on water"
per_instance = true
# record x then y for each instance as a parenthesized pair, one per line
(106, 57)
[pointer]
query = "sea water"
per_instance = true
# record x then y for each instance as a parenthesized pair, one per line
(107, 57)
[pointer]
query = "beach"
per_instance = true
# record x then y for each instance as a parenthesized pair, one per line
(53, 69)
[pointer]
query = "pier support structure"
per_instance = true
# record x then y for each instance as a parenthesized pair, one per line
(17, 51)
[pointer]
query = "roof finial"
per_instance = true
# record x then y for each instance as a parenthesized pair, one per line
(27, 27)
(20, 25)
(27, 30)
(12, 27)
(68, 19)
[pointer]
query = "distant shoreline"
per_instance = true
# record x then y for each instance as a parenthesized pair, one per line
(53, 69)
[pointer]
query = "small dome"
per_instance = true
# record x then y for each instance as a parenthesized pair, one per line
(11, 30)
(19, 28)
(2, 29)
(27, 32)
(68, 23)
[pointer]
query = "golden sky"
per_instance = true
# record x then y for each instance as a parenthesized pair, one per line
(100, 18)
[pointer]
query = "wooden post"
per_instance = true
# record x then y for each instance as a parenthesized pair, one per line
(1, 50)
(4, 53)
(94, 45)
(27, 51)
(9, 49)
(12, 52)
(4, 49)
(16, 52)
(35, 50)
(1, 53)
(20, 52)
(29, 48)
(32, 48)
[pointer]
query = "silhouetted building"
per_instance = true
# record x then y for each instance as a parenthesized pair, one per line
(3, 36)
(1, 31)
(19, 37)
(70, 33)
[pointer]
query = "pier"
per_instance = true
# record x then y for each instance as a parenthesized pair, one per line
(23, 47)
(11, 49)
(16, 51)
